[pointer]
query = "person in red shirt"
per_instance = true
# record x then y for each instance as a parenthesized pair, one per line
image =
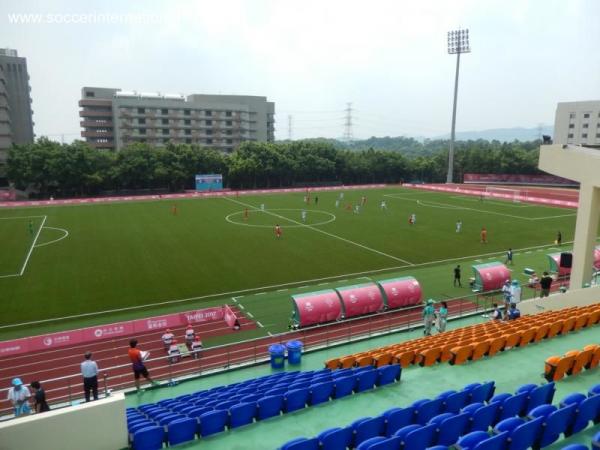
(483, 236)
(277, 231)
(138, 366)
(174, 210)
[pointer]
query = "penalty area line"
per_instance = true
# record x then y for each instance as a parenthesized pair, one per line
(37, 235)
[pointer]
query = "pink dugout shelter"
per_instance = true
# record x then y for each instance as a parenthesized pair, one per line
(401, 292)
(490, 276)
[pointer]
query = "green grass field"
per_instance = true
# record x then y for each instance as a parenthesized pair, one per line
(91, 258)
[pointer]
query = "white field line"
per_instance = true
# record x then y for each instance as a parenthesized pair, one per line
(493, 202)
(247, 205)
(249, 291)
(21, 217)
(65, 235)
(434, 204)
(241, 306)
(259, 324)
(249, 314)
(10, 275)
(37, 235)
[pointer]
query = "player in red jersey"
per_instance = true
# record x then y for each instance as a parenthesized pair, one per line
(174, 210)
(277, 231)
(246, 214)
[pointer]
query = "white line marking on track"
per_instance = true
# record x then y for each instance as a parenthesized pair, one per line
(282, 290)
(241, 306)
(249, 314)
(249, 291)
(247, 205)
(270, 334)
(65, 235)
(258, 323)
(260, 293)
(37, 235)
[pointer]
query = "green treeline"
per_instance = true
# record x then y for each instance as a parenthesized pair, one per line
(62, 170)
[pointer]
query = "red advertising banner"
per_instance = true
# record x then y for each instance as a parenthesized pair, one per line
(202, 315)
(14, 347)
(157, 323)
(317, 307)
(55, 340)
(229, 316)
(401, 292)
(361, 299)
(512, 178)
(107, 331)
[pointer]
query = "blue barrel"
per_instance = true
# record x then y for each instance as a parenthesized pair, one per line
(294, 349)
(277, 352)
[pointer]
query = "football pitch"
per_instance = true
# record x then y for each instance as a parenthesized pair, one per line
(137, 259)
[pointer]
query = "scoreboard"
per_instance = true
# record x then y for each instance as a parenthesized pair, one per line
(210, 182)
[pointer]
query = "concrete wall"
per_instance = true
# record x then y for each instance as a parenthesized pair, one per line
(577, 297)
(98, 425)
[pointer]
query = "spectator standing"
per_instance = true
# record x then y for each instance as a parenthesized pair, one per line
(137, 362)
(457, 276)
(428, 317)
(89, 371)
(189, 335)
(39, 396)
(442, 317)
(19, 395)
(545, 285)
(167, 339)
(196, 347)
(506, 294)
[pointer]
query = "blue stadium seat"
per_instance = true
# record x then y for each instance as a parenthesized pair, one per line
(149, 438)
(455, 402)
(277, 391)
(513, 406)
(497, 442)
(388, 374)
(185, 410)
(471, 440)
(302, 444)
(525, 435)
(170, 418)
(397, 418)
(540, 395)
(270, 406)
(368, 428)
(440, 418)
(500, 398)
(242, 414)
(541, 411)
(299, 385)
(469, 387)
(366, 380)
(140, 426)
(452, 428)
(485, 417)
(181, 430)
(197, 412)
(596, 440)
(508, 425)
(427, 410)
(526, 388)
(588, 409)
(296, 399)
(483, 392)
(575, 398)
(390, 443)
(251, 398)
(554, 424)
(575, 447)
(320, 392)
(226, 405)
(404, 431)
(421, 438)
(445, 394)
(472, 407)
(213, 422)
(344, 386)
(368, 443)
(594, 390)
(338, 439)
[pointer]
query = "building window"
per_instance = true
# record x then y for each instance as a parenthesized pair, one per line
(209, 132)
(142, 131)
(164, 111)
(188, 131)
(165, 121)
(584, 136)
(187, 122)
(229, 141)
(208, 123)
(586, 116)
(229, 123)
(571, 125)
(208, 113)
(186, 112)
(165, 131)
(143, 140)
(585, 125)
(141, 110)
(142, 121)
(598, 135)
(228, 132)
(90, 94)
(188, 140)
(209, 141)
(570, 136)
(571, 115)
(228, 113)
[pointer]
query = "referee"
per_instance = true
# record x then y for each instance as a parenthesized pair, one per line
(89, 370)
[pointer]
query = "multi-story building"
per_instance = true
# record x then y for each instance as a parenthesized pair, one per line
(16, 123)
(112, 119)
(578, 123)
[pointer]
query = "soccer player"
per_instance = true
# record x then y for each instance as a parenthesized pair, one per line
(31, 227)
(457, 276)
(246, 214)
(278, 231)
(303, 214)
(363, 200)
(558, 238)
(458, 226)
(483, 235)
(174, 210)
(341, 196)
(337, 203)
(316, 200)
(383, 205)
(357, 209)
(509, 257)
(410, 219)
(414, 218)
(262, 206)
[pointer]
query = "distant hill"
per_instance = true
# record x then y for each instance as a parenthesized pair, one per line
(502, 134)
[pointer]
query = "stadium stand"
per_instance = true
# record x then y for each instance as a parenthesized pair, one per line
(525, 419)
(474, 342)
(209, 412)
(572, 363)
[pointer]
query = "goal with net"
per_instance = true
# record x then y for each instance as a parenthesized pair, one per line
(516, 195)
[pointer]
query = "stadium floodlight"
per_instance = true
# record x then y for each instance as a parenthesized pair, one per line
(458, 42)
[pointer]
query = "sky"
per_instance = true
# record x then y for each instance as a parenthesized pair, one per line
(387, 58)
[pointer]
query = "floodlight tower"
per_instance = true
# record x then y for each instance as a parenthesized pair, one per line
(458, 42)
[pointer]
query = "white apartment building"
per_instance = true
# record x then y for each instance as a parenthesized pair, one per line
(578, 123)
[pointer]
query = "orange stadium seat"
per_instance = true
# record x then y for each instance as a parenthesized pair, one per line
(405, 358)
(461, 354)
(480, 350)
(346, 362)
(581, 361)
(568, 325)
(556, 369)
(541, 332)
(383, 359)
(555, 328)
(595, 359)
(496, 344)
(594, 317)
(430, 356)
(527, 336)
(512, 339)
(581, 321)
(363, 361)
(333, 363)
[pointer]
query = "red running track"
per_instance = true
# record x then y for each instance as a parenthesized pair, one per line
(113, 361)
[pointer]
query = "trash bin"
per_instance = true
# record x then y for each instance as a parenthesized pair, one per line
(277, 352)
(294, 349)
